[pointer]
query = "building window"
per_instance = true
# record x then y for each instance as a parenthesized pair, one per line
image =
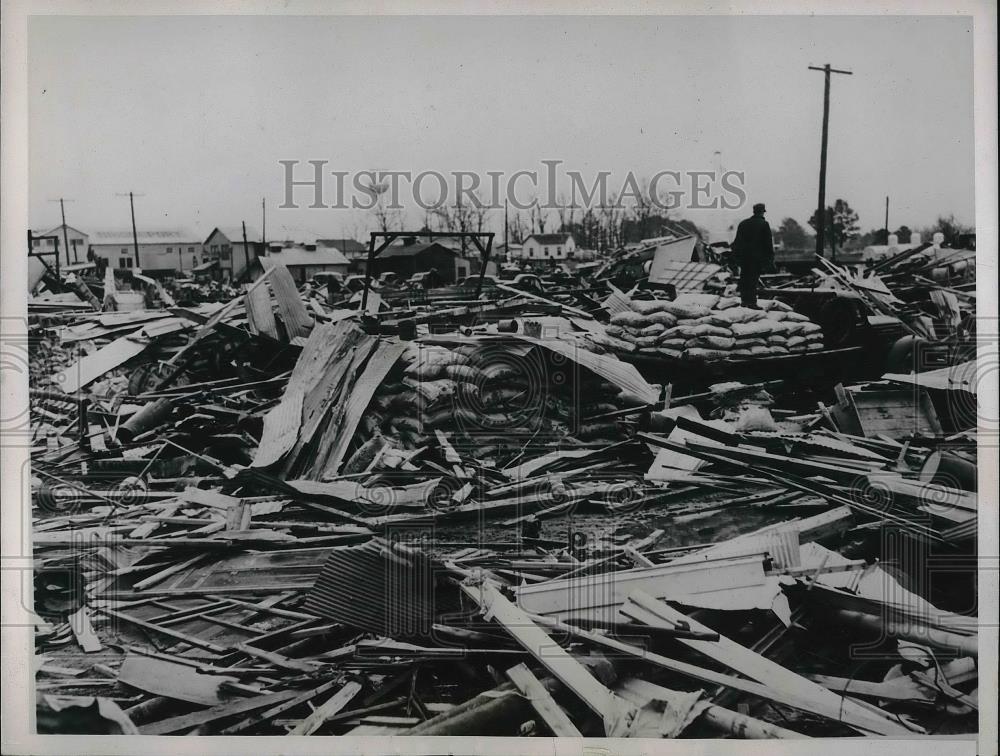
(170, 250)
(558, 250)
(190, 249)
(124, 250)
(122, 261)
(35, 242)
(224, 254)
(215, 249)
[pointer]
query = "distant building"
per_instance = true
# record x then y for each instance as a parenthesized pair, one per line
(161, 253)
(418, 257)
(75, 253)
(302, 260)
(225, 244)
(511, 251)
(349, 248)
(549, 247)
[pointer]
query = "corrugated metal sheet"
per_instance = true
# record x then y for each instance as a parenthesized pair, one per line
(345, 417)
(260, 316)
(382, 588)
(298, 413)
(293, 312)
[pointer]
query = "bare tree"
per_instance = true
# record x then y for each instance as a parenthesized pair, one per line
(384, 215)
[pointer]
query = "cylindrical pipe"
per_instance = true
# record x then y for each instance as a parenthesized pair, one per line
(150, 416)
(496, 712)
(967, 645)
(741, 726)
(947, 469)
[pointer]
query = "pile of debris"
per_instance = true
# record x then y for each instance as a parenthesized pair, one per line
(270, 516)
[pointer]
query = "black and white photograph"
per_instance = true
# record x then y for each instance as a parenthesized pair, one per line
(460, 379)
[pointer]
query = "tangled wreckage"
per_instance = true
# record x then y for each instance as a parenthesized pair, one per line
(651, 513)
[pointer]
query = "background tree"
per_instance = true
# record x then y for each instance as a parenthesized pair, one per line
(792, 234)
(840, 225)
(904, 234)
(951, 229)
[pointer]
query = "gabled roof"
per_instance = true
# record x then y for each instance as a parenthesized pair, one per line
(550, 238)
(58, 230)
(235, 234)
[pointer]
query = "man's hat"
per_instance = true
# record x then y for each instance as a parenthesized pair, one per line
(759, 208)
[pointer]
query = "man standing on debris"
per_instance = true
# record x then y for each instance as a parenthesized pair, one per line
(754, 252)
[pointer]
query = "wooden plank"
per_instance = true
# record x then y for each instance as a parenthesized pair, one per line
(542, 701)
(875, 725)
(164, 574)
(724, 582)
(83, 631)
(644, 608)
(609, 707)
(338, 701)
(193, 640)
(91, 367)
(187, 722)
(282, 706)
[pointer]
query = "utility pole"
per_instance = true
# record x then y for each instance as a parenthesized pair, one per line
(821, 211)
(246, 249)
(887, 219)
(506, 246)
(263, 225)
(62, 211)
(135, 234)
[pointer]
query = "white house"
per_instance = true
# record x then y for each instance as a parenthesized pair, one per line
(76, 252)
(225, 245)
(160, 252)
(548, 247)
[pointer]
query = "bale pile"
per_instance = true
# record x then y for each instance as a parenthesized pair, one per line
(707, 327)
(488, 400)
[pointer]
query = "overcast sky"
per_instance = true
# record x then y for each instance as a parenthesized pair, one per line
(195, 112)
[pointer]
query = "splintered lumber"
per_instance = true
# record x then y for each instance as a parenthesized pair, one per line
(338, 701)
(280, 707)
(542, 701)
(723, 582)
(726, 721)
(612, 710)
(642, 607)
(176, 634)
(83, 631)
(196, 719)
(872, 724)
(92, 366)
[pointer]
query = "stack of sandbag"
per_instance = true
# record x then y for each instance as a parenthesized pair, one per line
(483, 397)
(706, 327)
